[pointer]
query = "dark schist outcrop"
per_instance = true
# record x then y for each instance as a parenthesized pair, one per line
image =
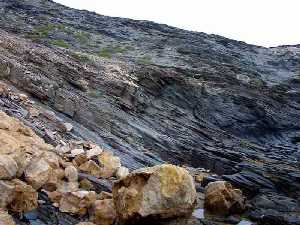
(153, 93)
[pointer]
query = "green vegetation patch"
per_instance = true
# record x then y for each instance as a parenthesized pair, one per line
(43, 31)
(145, 60)
(109, 51)
(82, 37)
(60, 43)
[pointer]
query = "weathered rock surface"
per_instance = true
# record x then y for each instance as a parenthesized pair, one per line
(161, 191)
(5, 218)
(163, 94)
(104, 212)
(8, 167)
(222, 199)
(77, 202)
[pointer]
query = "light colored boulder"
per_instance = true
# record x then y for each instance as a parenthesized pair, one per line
(65, 127)
(104, 212)
(109, 164)
(77, 202)
(94, 152)
(77, 151)
(71, 173)
(222, 199)
(161, 191)
(122, 172)
(5, 218)
(8, 167)
(38, 173)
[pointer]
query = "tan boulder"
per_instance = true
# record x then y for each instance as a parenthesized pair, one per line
(79, 160)
(8, 167)
(77, 202)
(5, 218)
(92, 168)
(161, 191)
(104, 212)
(109, 164)
(222, 199)
(7, 191)
(25, 197)
(38, 173)
(71, 173)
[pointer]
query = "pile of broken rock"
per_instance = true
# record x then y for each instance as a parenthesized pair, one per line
(29, 166)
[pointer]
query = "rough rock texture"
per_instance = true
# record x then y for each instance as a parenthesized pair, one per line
(104, 212)
(5, 218)
(222, 199)
(77, 202)
(153, 93)
(162, 191)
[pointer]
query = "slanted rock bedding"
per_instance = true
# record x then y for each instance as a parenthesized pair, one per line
(95, 88)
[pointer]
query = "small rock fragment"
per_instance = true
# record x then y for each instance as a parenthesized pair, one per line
(79, 160)
(94, 152)
(122, 172)
(65, 127)
(71, 173)
(65, 187)
(76, 152)
(104, 212)
(222, 199)
(109, 164)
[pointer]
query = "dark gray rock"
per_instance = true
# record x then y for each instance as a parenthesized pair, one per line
(153, 93)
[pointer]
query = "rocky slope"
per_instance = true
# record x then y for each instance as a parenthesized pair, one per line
(153, 93)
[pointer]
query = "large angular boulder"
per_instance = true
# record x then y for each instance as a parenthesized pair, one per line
(222, 199)
(156, 192)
